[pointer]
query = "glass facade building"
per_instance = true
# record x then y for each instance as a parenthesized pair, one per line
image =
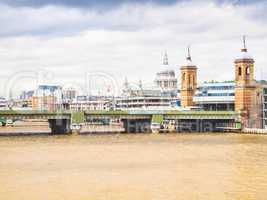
(215, 96)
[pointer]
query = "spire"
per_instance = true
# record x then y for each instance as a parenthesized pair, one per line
(126, 84)
(188, 59)
(188, 54)
(165, 59)
(244, 44)
(244, 51)
(140, 84)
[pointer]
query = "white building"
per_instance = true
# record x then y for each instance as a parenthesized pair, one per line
(162, 94)
(85, 103)
(3, 103)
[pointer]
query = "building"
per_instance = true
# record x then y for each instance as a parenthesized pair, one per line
(25, 95)
(47, 97)
(248, 93)
(20, 104)
(44, 103)
(24, 102)
(165, 78)
(215, 96)
(90, 103)
(3, 103)
(162, 94)
(69, 94)
(147, 98)
(147, 102)
(188, 82)
(265, 106)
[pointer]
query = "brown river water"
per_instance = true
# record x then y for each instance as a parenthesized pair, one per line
(122, 167)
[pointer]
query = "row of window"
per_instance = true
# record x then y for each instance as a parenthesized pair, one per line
(142, 100)
(230, 87)
(166, 84)
(215, 94)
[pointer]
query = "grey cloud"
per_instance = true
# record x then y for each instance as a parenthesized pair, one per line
(101, 4)
(128, 40)
(60, 20)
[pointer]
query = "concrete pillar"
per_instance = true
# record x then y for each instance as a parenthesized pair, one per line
(59, 126)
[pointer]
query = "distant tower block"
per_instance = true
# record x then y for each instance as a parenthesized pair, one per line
(188, 82)
(244, 78)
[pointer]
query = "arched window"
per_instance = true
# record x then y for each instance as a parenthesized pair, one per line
(189, 80)
(239, 71)
(247, 70)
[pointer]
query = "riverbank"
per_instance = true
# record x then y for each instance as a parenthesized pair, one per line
(25, 128)
(20, 131)
(90, 129)
(42, 128)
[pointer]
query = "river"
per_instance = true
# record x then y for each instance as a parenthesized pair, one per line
(138, 167)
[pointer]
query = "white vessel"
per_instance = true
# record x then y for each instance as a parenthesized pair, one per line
(155, 127)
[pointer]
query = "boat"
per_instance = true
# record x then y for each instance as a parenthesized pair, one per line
(155, 127)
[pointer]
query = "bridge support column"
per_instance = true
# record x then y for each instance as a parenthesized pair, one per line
(59, 126)
(137, 125)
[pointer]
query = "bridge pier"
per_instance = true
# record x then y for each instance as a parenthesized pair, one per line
(59, 126)
(137, 125)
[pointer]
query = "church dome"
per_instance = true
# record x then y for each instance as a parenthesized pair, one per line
(165, 78)
(244, 55)
(188, 63)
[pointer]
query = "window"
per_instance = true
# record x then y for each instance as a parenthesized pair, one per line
(189, 77)
(239, 71)
(184, 76)
(247, 70)
(165, 84)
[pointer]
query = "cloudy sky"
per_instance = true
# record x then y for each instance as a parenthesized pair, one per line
(65, 41)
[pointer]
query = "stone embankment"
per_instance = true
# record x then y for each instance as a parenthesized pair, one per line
(254, 131)
(25, 128)
(101, 129)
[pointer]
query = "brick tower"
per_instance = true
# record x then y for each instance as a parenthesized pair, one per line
(246, 92)
(188, 82)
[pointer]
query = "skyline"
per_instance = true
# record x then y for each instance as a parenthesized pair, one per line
(127, 39)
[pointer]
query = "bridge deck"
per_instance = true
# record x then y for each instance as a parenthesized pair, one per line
(135, 114)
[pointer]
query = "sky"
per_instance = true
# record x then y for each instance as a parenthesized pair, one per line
(95, 45)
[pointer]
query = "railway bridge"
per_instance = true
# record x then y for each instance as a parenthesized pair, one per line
(134, 120)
